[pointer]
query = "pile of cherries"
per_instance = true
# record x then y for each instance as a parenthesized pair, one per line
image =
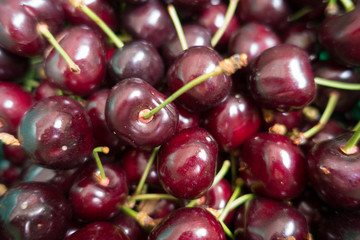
(117, 123)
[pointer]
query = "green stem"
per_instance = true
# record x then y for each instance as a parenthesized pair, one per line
(241, 200)
(348, 5)
(235, 194)
(140, 197)
(97, 159)
(228, 16)
(227, 230)
(350, 146)
(81, 6)
(336, 84)
(333, 99)
(146, 171)
(332, 7)
(357, 127)
(299, 14)
(128, 211)
(178, 27)
(44, 30)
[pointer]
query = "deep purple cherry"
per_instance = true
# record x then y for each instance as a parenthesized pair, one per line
(12, 66)
(56, 133)
(99, 231)
(9, 173)
(15, 154)
(290, 120)
(130, 226)
(187, 163)
(188, 224)
(302, 35)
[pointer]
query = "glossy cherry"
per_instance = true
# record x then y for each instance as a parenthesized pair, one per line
(234, 120)
(44, 90)
(12, 66)
(56, 133)
(187, 163)
(15, 154)
(130, 226)
(94, 199)
(34, 210)
(281, 78)
(87, 50)
(138, 59)
(334, 174)
(188, 224)
(126, 100)
(187, 67)
(99, 231)
(290, 120)
(302, 35)
(14, 102)
(273, 166)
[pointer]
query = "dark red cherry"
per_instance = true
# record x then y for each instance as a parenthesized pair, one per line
(290, 120)
(126, 100)
(340, 35)
(15, 154)
(34, 210)
(163, 207)
(103, 8)
(14, 102)
(273, 166)
(234, 120)
(191, 5)
(334, 174)
(18, 24)
(99, 231)
(188, 224)
(149, 21)
(268, 12)
(93, 199)
(12, 66)
(281, 78)
(334, 72)
(302, 35)
(130, 226)
(268, 219)
(187, 67)
(9, 173)
(187, 163)
(195, 35)
(138, 59)
(56, 133)
(44, 90)
(86, 49)
(187, 119)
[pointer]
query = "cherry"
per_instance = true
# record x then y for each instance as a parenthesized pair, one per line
(334, 174)
(163, 207)
(126, 101)
(12, 66)
(263, 218)
(187, 163)
(138, 59)
(99, 231)
(293, 77)
(44, 90)
(187, 119)
(272, 166)
(191, 5)
(149, 21)
(290, 120)
(14, 102)
(187, 67)
(234, 120)
(130, 226)
(339, 35)
(34, 210)
(188, 224)
(87, 50)
(195, 35)
(56, 133)
(9, 173)
(302, 35)
(95, 199)
(22, 37)
(15, 154)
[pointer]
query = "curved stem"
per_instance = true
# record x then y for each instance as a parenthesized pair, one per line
(241, 200)
(350, 146)
(348, 5)
(97, 160)
(235, 194)
(140, 197)
(333, 99)
(357, 127)
(299, 14)
(178, 27)
(228, 16)
(336, 84)
(227, 231)
(146, 171)
(81, 6)
(44, 30)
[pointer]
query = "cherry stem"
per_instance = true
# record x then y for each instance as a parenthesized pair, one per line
(333, 100)
(9, 139)
(350, 146)
(299, 14)
(97, 160)
(332, 7)
(220, 175)
(348, 5)
(43, 28)
(176, 21)
(228, 16)
(241, 200)
(146, 171)
(227, 66)
(227, 231)
(141, 217)
(82, 7)
(336, 84)
(235, 194)
(151, 196)
(357, 127)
